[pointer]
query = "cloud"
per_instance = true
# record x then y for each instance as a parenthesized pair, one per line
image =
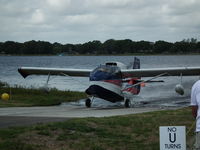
(109, 3)
(37, 17)
(58, 5)
(78, 21)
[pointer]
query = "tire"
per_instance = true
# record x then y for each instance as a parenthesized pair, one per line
(88, 103)
(127, 103)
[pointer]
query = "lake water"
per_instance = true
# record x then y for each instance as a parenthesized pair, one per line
(151, 92)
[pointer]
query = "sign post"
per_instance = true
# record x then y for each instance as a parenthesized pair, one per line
(172, 138)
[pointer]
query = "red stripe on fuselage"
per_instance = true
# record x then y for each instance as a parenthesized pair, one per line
(115, 82)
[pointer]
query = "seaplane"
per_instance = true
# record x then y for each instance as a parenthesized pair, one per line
(115, 81)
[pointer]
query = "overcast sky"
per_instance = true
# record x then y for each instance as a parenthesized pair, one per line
(79, 21)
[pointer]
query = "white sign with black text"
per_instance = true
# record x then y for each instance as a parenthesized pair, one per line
(172, 138)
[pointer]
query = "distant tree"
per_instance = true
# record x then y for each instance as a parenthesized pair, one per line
(123, 46)
(57, 48)
(190, 40)
(37, 47)
(134, 48)
(162, 47)
(191, 44)
(29, 47)
(96, 46)
(197, 50)
(10, 47)
(69, 49)
(90, 47)
(1, 48)
(144, 46)
(44, 47)
(77, 48)
(109, 47)
(180, 47)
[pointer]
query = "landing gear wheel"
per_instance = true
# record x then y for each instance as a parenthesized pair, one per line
(88, 103)
(127, 103)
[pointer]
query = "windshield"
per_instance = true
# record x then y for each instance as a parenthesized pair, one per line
(104, 72)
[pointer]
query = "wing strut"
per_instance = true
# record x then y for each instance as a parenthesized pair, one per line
(45, 87)
(149, 80)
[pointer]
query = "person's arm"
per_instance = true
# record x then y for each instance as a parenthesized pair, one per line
(194, 111)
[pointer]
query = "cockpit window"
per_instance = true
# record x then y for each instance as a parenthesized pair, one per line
(104, 72)
(111, 64)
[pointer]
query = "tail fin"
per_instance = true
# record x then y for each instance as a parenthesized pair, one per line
(136, 63)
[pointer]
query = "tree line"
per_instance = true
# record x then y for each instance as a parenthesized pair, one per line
(96, 47)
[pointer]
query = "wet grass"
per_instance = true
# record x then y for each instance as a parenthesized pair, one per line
(35, 97)
(130, 132)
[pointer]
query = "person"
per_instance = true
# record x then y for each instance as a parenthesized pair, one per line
(195, 105)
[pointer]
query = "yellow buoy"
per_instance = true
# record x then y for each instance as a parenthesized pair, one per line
(5, 96)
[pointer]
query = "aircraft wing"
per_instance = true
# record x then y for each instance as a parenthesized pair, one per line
(26, 71)
(151, 72)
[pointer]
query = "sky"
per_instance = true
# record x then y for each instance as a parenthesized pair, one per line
(80, 21)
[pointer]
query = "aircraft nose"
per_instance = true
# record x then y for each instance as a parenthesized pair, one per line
(91, 90)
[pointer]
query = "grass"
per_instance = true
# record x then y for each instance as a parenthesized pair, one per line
(36, 97)
(130, 132)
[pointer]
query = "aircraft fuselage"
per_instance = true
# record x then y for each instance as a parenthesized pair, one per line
(106, 83)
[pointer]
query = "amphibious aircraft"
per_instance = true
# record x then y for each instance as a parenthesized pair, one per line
(114, 81)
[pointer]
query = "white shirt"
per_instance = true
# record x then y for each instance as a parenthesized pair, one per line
(195, 101)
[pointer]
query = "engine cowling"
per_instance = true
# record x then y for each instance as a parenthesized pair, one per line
(179, 89)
